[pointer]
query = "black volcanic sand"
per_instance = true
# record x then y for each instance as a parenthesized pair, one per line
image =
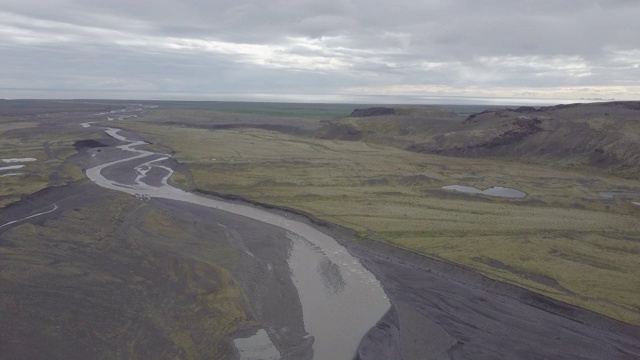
(443, 311)
(439, 310)
(463, 318)
(95, 295)
(263, 270)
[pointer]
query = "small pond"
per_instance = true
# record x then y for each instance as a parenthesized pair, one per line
(630, 195)
(611, 194)
(12, 167)
(492, 191)
(15, 160)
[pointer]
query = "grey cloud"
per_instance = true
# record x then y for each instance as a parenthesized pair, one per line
(311, 46)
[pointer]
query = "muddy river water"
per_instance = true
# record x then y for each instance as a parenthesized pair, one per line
(341, 300)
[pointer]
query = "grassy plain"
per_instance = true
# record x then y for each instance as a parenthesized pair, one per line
(247, 109)
(563, 240)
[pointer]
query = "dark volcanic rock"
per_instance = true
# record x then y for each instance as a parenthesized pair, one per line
(497, 112)
(602, 135)
(519, 129)
(525, 109)
(340, 132)
(373, 111)
(88, 144)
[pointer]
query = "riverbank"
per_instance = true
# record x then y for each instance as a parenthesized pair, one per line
(340, 299)
(443, 309)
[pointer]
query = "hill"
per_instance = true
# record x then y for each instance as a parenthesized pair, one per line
(602, 135)
(401, 126)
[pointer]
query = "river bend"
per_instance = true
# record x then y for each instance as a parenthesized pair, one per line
(341, 300)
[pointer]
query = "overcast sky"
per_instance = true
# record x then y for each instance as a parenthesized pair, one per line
(326, 50)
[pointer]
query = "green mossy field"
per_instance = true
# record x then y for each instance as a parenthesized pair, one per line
(563, 239)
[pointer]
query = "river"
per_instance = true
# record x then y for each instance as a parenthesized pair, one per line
(341, 300)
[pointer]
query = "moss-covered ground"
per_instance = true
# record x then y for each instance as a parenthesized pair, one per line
(562, 240)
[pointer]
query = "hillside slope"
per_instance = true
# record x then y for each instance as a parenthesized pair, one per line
(401, 126)
(604, 135)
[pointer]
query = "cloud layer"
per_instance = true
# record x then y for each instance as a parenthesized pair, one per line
(328, 50)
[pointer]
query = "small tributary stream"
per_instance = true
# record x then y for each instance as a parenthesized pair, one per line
(341, 300)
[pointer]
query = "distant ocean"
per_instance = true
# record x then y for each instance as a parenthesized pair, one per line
(399, 99)
(288, 98)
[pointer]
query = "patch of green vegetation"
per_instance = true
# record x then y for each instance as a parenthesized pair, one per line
(8, 123)
(321, 111)
(50, 147)
(179, 180)
(583, 247)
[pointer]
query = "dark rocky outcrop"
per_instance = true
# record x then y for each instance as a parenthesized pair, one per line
(522, 128)
(373, 111)
(88, 144)
(340, 131)
(603, 135)
(513, 133)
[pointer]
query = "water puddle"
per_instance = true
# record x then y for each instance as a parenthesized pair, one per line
(612, 194)
(498, 191)
(628, 195)
(15, 160)
(11, 167)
